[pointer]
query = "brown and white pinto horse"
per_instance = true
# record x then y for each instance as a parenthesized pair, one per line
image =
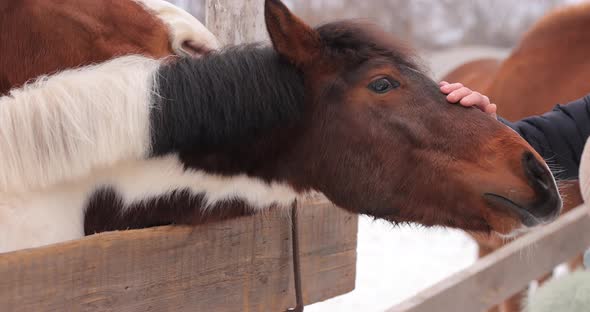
(341, 109)
(44, 36)
(549, 66)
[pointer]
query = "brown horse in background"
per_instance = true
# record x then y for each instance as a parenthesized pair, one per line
(44, 36)
(550, 65)
(477, 75)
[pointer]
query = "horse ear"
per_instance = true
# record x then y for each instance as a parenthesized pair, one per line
(291, 37)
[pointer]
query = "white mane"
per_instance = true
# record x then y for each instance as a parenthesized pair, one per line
(60, 127)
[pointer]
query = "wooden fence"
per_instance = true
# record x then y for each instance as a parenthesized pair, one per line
(505, 272)
(243, 264)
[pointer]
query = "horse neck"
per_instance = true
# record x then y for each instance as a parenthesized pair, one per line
(246, 101)
(565, 26)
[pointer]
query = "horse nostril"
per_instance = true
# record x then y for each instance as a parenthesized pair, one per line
(548, 202)
(538, 175)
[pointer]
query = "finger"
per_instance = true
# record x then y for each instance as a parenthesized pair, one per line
(443, 83)
(451, 87)
(486, 100)
(474, 99)
(486, 106)
(492, 110)
(457, 95)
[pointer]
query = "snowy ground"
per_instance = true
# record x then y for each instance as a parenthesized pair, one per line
(394, 263)
(442, 62)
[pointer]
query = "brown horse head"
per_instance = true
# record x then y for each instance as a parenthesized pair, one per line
(380, 139)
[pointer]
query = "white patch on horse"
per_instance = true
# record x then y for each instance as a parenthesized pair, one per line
(54, 215)
(34, 219)
(63, 126)
(137, 181)
(184, 28)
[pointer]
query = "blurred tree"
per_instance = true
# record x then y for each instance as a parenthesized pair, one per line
(195, 7)
(427, 24)
(394, 15)
(498, 23)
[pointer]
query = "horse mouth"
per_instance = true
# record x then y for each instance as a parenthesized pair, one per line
(507, 205)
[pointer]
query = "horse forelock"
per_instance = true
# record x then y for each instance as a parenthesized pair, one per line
(362, 40)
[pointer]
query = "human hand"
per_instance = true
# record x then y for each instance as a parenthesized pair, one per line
(457, 93)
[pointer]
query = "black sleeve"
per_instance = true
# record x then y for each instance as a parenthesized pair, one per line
(559, 135)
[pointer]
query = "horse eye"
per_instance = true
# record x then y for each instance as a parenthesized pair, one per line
(383, 85)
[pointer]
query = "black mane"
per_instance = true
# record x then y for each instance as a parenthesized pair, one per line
(231, 95)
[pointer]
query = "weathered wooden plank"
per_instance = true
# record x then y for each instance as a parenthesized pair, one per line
(508, 270)
(235, 22)
(237, 265)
